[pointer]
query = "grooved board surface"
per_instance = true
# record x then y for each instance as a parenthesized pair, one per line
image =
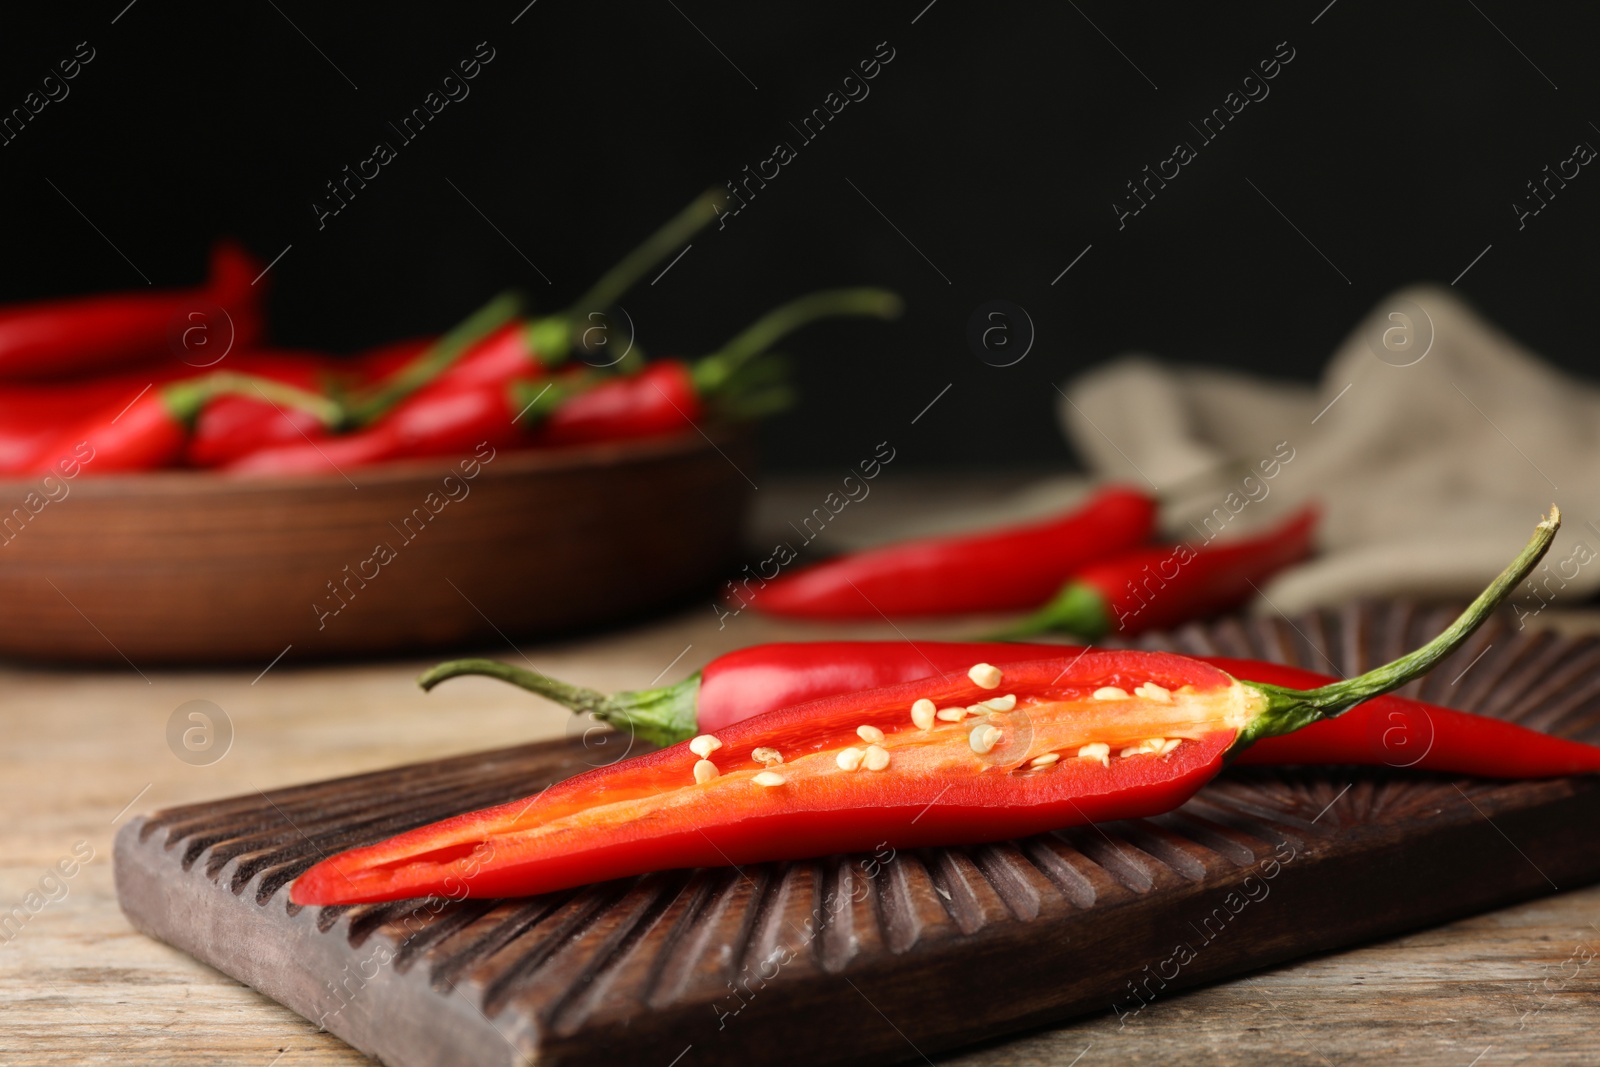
(805, 962)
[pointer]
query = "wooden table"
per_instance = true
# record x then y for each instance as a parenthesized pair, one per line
(86, 749)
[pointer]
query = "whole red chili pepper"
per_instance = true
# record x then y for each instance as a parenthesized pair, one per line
(423, 425)
(33, 413)
(1161, 586)
(235, 425)
(995, 570)
(762, 678)
(53, 338)
(235, 428)
(1102, 736)
(153, 429)
(660, 399)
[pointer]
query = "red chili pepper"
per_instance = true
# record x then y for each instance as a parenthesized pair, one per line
(762, 678)
(996, 570)
(32, 413)
(1104, 735)
(235, 425)
(152, 431)
(1161, 586)
(53, 338)
(659, 400)
(423, 425)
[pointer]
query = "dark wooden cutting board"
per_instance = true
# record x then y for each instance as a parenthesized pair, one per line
(863, 958)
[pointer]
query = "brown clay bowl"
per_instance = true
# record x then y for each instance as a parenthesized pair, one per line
(181, 567)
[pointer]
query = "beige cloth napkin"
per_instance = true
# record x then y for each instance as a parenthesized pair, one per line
(1434, 443)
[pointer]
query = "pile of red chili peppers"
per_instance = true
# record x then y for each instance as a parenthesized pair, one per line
(139, 381)
(793, 751)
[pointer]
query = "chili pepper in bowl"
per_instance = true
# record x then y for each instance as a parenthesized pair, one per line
(53, 338)
(448, 420)
(1006, 569)
(1037, 746)
(235, 427)
(152, 430)
(1160, 586)
(489, 349)
(32, 413)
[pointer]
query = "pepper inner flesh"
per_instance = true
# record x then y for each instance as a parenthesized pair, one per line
(1060, 723)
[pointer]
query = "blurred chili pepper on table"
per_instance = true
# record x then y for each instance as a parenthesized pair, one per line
(991, 570)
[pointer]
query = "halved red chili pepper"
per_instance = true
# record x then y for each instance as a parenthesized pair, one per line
(153, 429)
(1160, 586)
(1007, 569)
(1105, 735)
(53, 338)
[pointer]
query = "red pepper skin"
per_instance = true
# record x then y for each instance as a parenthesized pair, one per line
(147, 435)
(1000, 570)
(490, 854)
(32, 414)
(1388, 730)
(1214, 580)
(54, 338)
(504, 356)
(660, 399)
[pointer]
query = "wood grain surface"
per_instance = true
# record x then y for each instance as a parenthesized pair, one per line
(188, 567)
(807, 962)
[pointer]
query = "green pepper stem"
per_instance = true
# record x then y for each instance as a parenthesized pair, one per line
(712, 372)
(187, 399)
(1289, 709)
(661, 716)
(610, 286)
(433, 360)
(551, 337)
(1078, 609)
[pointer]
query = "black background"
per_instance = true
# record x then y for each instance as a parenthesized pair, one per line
(997, 140)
